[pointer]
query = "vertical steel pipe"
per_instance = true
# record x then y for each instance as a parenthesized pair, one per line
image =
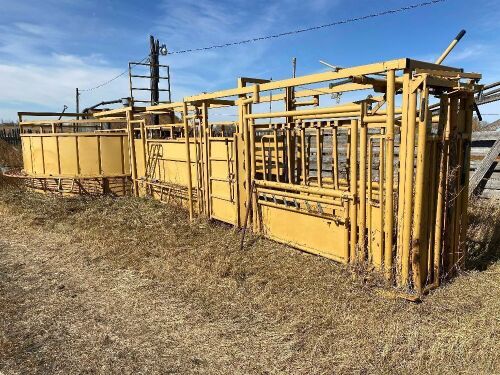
(469, 102)
(381, 184)
(144, 145)
(451, 191)
(253, 175)
(133, 161)
(276, 154)
(408, 190)
(369, 197)
(353, 219)
(389, 173)
(303, 154)
(319, 156)
(418, 242)
(335, 157)
(188, 160)
(363, 135)
(442, 150)
(403, 133)
(290, 156)
(206, 158)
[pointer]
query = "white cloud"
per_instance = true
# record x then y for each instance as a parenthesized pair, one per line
(34, 77)
(53, 85)
(38, 71)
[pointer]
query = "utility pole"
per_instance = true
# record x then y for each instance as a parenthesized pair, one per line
(154, 68)
(77, 103)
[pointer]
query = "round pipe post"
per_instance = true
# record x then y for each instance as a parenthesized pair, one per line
(431, 206)
(440, 209)
(363, 132)
(353, 189)
(188, 160)
(389, 174)
(243, 110)
(256, 94)
(303, 159)
(204, 128)
(144, 145)
(335, 158)
(133, 161)
(369, 197)
(402, 175)
(197, 158)
(266, 169)
(451, 187)
(276, 154)
(381, 171)
(450, 47)
(290, 155)
(419, 211)
(253, 174)
(346, 232)
(319, 156)
(469, 102)
(408, 190)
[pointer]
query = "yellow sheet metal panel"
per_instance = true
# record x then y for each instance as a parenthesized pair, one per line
(69, 156)
(220, 149)
(111, 160)
(171, 166)
(314, 234)
(51, 156)
(88, 156)
(37, 155)
(26, 147)
(221, 188)
(139, 154)
(126, 155)
(223, 210)
(75, 155)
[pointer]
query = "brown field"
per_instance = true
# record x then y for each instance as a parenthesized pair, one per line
(126, 286)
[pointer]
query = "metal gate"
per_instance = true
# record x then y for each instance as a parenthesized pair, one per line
(222, 175)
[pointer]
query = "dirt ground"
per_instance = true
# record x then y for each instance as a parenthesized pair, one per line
(126, 286)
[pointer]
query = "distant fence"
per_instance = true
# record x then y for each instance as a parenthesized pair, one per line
(485, 161)
(11, 136)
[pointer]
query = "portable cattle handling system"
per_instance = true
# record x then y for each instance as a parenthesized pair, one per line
(382, 179)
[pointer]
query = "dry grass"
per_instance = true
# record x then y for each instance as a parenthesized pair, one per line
(127, 286)
(10, 156)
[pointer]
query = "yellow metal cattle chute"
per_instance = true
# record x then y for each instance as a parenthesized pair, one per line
(360, 181)
(380, 179)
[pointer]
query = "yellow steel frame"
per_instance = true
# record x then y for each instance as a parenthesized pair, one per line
(75, 156)
(384, 181)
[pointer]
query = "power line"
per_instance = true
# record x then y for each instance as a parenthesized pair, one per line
(336, 23)
(110, 80)
(287, 33)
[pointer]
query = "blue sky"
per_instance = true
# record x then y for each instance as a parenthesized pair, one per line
(47, 48)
